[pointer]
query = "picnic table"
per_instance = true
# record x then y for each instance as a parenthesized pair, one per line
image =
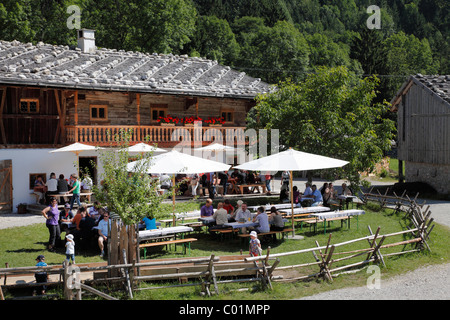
(345, 200)
(269, 206)
(150, 234)
(304, 210)
(334, 215)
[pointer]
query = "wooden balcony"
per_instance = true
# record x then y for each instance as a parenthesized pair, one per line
(164, 136)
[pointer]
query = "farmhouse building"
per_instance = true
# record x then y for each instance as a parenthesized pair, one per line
(423, 114)
(52, 96)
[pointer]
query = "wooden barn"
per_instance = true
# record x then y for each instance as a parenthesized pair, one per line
(423, 114)
(53, 95)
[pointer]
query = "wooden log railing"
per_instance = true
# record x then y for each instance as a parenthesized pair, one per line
(104, 135)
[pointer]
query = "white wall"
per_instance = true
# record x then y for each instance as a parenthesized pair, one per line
(26, 161)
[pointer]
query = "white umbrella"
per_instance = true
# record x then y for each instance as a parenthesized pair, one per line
(143, 148)
(292, 160)
(217, 148)
(76, 148)
(174, 162)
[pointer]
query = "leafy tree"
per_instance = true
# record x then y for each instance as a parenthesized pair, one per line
(131, 195)
(275, 54)
(214, 40)
(329, 113)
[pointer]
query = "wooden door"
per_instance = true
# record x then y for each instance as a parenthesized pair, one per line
(6, 189)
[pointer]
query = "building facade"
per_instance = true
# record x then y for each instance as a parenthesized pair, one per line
(423, 115)
(53, 95)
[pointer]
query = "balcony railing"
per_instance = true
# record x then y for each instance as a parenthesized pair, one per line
(105, 135)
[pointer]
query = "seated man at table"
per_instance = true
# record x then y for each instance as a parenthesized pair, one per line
(317, 197)
(346, 192)
(207, 210)
(263, 221)
(243, 214)
(221, 217)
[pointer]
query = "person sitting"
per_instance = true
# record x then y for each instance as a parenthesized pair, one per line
(227, 206)
(239, 208)
(243, 215)
(150, 223)
(317, 197)
(221, 217)
(276, 220)
(87, 225)
(52, 186)
(346, 192)
(207, 209)
(296, 195)
(93, 211)
(65, 215)
(284, 195)
(103, 226)
(263, 221)
(63, 188)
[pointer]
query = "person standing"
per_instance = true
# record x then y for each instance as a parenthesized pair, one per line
(41, 276)
(254, 245)
(51, 215)
(75, 191)
(70, 248)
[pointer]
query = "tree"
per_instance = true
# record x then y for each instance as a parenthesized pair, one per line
(131, 195)
(214, 40)
(329, 113)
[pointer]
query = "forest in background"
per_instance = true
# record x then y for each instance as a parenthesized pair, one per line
(273, 40)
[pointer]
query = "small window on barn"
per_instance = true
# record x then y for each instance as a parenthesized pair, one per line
(99, 113)
(227, 115)
(158, 110)
(29, 105)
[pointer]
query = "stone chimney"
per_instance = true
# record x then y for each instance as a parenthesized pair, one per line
(86, 40)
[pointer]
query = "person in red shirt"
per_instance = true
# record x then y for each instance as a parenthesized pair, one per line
(227, 206)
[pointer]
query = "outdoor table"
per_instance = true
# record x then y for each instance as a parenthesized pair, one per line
(239, 225)
(306, 210)
(269, 206)
(150, 234)
(338, 214)
(343, 198)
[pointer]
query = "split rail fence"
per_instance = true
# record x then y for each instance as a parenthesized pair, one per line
(213, 271)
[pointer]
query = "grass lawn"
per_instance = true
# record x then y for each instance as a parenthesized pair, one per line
(20, 246)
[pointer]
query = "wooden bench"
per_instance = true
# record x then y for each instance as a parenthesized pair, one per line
(316, 221)
(263, 234)
(223, 232)
(184, 242)
(242, 186)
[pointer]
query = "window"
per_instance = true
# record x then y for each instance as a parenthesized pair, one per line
(99, 113)
(158, 110)
(29, 105)
(227, 115)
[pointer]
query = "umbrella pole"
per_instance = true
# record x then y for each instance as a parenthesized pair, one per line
(292, 202)
(173, 199)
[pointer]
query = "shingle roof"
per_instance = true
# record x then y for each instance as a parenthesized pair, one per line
(110, 69)
(437, 84)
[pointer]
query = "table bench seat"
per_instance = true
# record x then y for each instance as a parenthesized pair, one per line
(242, 186)
(184, 242)
(262, 234)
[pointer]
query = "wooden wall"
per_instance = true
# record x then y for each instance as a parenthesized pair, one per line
(423, 127)
(29, 128)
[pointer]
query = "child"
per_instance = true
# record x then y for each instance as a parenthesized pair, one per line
(42, 276)
(255, 244)
(70, 248)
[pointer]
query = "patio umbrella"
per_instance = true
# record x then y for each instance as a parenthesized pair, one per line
(216, 147)
(143, 148)
(76, 148)
(174, 162)
(292, 160)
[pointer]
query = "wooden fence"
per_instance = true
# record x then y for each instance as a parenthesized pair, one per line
(329, 259)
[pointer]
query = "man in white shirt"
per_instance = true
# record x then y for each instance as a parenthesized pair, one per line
(244, 214)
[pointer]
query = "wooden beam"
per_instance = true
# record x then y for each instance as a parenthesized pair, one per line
(58, 107)
(75, 100)
(2, 105)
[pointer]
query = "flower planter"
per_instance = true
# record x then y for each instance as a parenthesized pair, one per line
(22, 208)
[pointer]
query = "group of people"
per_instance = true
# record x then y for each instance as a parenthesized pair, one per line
(225, 213)
(62, 186)
(211, 181)
(81, 228)
(311, 196)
